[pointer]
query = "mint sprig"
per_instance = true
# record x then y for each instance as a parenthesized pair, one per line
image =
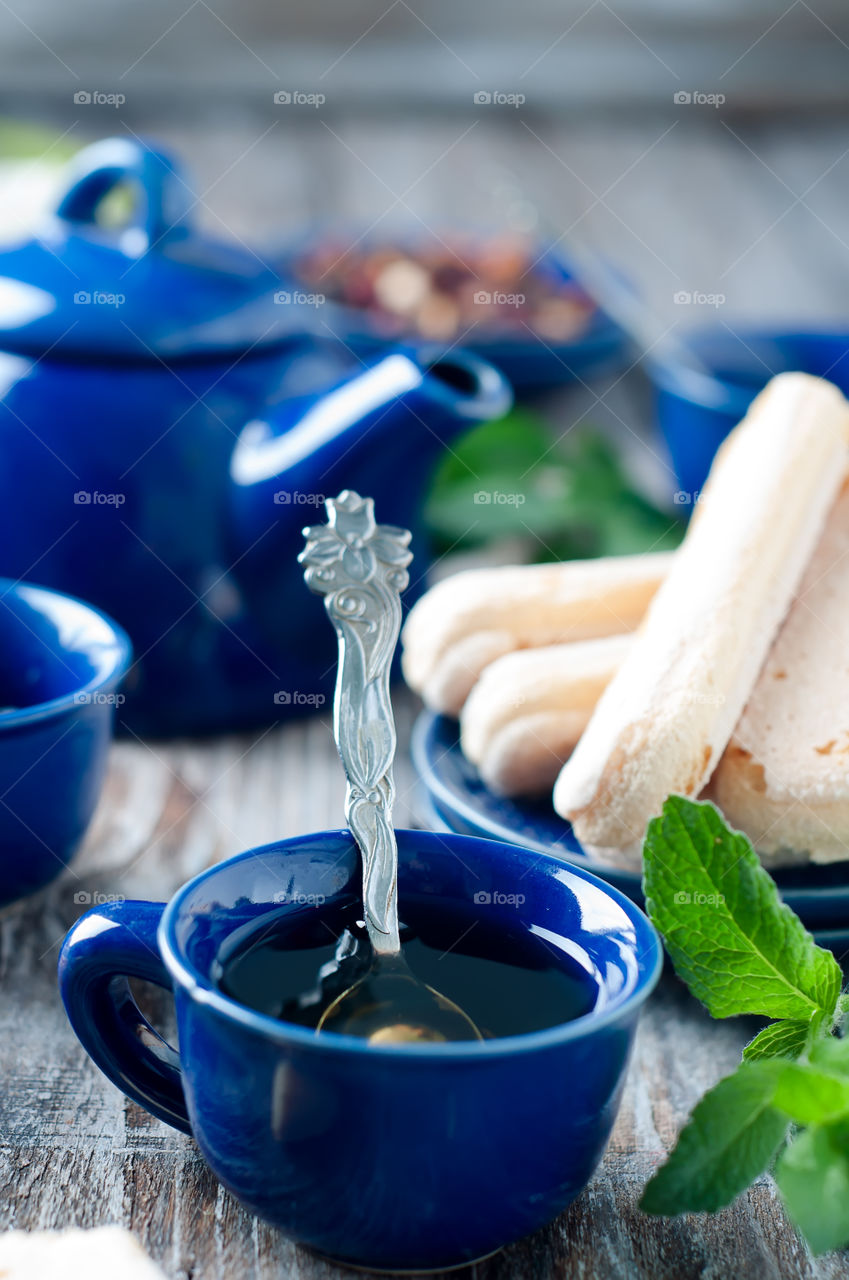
(733, 1134)
(741, 950)
(732, 940)
(813, 1179)
(787, 1039)
(573, 497)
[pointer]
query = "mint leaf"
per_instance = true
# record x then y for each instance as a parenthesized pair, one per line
(831, 1054)
(813, 1179)
(735, 944)
(567, 497)
(740, 950)
(786, 1039)
(731, 1138)
(810, 1095)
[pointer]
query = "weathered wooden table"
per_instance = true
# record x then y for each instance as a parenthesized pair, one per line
(688, 203)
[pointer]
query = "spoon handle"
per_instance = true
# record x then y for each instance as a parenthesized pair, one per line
(361, 568)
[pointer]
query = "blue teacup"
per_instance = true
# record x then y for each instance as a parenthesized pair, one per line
(62, 662)
(402, 1157)
(697, 410)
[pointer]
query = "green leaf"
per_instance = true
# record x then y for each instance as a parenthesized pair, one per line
(565, 493)
(26, 141)
(735, 944)
(731, 1137)
(809, 1095)
(842, 1009)
(831, 1054)
(786, 1039)
(813, 1179)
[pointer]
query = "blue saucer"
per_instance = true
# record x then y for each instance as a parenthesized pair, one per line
(460, 802)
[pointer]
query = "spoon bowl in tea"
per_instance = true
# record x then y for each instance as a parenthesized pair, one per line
(360, 568)
(390, 1005)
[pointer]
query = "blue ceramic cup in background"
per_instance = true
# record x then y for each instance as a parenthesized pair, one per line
(61, 663)
(696, 411)
(404, 1157)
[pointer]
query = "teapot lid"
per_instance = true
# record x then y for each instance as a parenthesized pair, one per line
(151, 289)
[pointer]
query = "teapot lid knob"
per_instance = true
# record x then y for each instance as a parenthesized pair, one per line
(152, 287)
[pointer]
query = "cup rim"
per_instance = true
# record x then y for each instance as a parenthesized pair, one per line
(121, 655)
(649, 958)
(714, 391)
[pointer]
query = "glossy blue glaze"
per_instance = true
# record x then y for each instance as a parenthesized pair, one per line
(697, 412)
(162, 453)
(61, 666)
(190, 536)
(152, 288)
(457, 800)
(418, 1156)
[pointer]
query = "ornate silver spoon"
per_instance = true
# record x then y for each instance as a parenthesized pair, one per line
(360, 568)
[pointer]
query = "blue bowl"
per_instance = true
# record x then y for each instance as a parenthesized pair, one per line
(531, 364)
(405, 1157)
(696, 412)
(62, 664)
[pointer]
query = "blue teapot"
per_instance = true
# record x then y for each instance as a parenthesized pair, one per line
(171, 418)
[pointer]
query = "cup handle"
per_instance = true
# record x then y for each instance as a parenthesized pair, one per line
(108, 945)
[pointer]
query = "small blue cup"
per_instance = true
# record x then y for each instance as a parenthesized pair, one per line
(697, 410)
(62, 662)
(404, 1157)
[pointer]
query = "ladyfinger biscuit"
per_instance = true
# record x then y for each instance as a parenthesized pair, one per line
(784, 776)
(528, 710)
(467, 621)
(668, 713)
(100, 1253)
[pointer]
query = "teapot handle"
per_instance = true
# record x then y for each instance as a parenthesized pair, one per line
(165, 198)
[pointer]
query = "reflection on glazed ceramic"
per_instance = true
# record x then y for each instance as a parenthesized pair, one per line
(135, 473)
(62, 667)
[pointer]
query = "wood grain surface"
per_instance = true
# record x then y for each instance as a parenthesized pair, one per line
(697, 207)
(74, 1151)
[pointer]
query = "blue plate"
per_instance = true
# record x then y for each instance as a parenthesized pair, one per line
(460, 802)
(432, 818)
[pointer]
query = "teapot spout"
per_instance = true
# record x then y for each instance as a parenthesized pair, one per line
(379, 432)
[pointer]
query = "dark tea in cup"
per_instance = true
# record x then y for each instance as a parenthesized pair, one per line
(509, 982)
